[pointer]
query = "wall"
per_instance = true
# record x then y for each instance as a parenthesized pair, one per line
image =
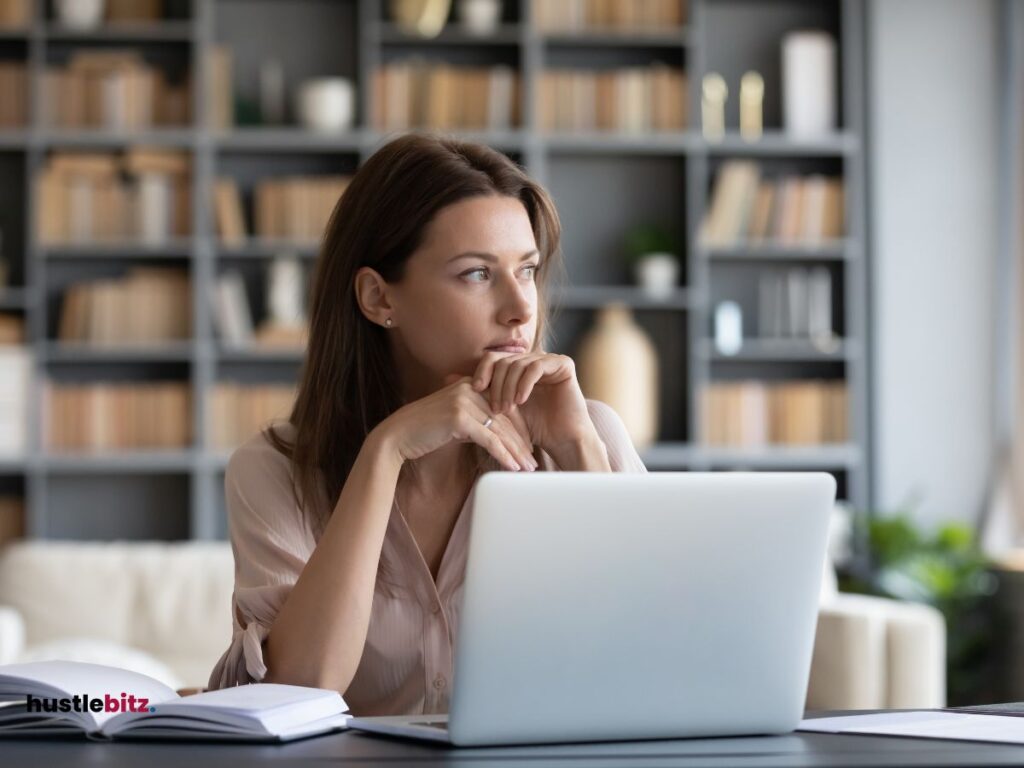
(933, 132)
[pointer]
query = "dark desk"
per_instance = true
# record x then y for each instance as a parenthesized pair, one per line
(803, 749)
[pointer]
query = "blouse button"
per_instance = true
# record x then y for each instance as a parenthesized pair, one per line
(439, 682)
(435, 608)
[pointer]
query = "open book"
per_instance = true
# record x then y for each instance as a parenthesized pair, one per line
(101, 702)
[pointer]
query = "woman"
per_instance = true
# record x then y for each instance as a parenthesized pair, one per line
(424, 369)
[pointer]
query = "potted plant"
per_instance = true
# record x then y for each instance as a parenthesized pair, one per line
(944, 568)
(652, 252)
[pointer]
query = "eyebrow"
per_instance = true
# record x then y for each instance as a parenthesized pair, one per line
(488, 256)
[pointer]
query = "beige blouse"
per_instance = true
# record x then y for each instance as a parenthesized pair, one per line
(406, 666)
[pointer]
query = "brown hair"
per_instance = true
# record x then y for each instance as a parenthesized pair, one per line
(348, 382)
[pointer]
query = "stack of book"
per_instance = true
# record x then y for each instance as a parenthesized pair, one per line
(615, 15)
(148, 304)
(14, 14)
(795, 303)
(220, 106)
(296, 208)
(12, 518)
(751, 414)
(627, 99)
(429, 94)
(238, 411)
(12, 329)
(143, 195)
(790, 210)
(134, 11)
(117, 416)
(13, 94)
(15, 380)
(112, 89)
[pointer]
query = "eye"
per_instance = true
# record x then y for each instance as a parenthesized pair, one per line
(474, 271)
(533, 269)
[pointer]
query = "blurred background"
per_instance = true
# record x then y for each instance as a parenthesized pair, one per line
(792, 242)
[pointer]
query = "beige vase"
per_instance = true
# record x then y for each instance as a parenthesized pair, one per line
(617, 364)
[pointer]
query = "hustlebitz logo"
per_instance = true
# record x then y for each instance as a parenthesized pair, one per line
(87, 703)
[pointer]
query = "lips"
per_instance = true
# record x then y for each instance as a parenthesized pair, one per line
(509, 348)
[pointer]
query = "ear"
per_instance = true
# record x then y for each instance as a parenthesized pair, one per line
(371, 294)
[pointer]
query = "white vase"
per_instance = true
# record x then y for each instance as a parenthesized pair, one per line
(326, 104)
(657, 274)
(617, 364)
(479, 17)
(809, 101)
(80, 14)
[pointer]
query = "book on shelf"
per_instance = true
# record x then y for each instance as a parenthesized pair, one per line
(15, 14)
(12, 329)
(796, 303)
(141, 195)
(112, 89)
(147, 304)
(15, 383)
(103, 416)
(753, 413)
(228, 215)
(295, 208)
(133, 11)
(220, 96)
(746, 207)
(418, 93)
(238, 411)
(12, 519)
(570, 16)
(13, 94)
(102, 703)
(623, 100)
(231, 310)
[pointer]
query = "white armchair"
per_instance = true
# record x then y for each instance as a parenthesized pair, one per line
(164, 610)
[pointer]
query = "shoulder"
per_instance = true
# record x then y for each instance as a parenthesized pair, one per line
(258, 479)
(612, 430)
(257, 457)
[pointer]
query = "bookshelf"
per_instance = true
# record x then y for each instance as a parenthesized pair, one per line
(668, 175)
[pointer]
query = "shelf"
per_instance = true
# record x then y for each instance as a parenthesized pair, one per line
(452, 34)
(13, 464)
(661, 143)
(13, 298)
(780, 350)
(801, 457)
(155, 352)
(161, 32)
(266, 249)
(595, 296)
(178, 248)
(507, 141)
(260, 354)
(667, 37)
(837, 250)
(778, 144)
(15, 33)
(136, 460)
(288, 139)
(103, 138)
(11, 139)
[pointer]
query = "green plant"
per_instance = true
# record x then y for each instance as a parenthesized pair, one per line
(945, 569)
(649, 238)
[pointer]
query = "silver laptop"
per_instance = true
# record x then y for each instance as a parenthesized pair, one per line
(615, 606)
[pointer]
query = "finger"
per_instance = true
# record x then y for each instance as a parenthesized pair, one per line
(527, 382)
(474, 429)
(498, 373)
(515, 374)
(482, 376)
(512, 438)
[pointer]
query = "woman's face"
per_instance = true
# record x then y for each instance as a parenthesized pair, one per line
(471, 285)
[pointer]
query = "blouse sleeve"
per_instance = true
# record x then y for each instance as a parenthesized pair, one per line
(622, 455)
(271, 545)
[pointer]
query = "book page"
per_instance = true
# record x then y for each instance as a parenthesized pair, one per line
(112, 689)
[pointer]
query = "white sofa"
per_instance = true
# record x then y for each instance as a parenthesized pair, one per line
(164, 609)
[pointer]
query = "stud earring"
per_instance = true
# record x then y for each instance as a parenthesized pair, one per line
(388, 322)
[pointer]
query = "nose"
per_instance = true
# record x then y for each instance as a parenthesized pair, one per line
(517, 302)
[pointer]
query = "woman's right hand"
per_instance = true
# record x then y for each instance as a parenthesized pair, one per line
(456, 412)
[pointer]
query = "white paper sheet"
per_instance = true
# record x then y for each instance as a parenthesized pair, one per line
(925, 724)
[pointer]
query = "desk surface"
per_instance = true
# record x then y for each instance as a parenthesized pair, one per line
(803, 749)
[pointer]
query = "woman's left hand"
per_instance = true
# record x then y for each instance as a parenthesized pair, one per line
(540, 387)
